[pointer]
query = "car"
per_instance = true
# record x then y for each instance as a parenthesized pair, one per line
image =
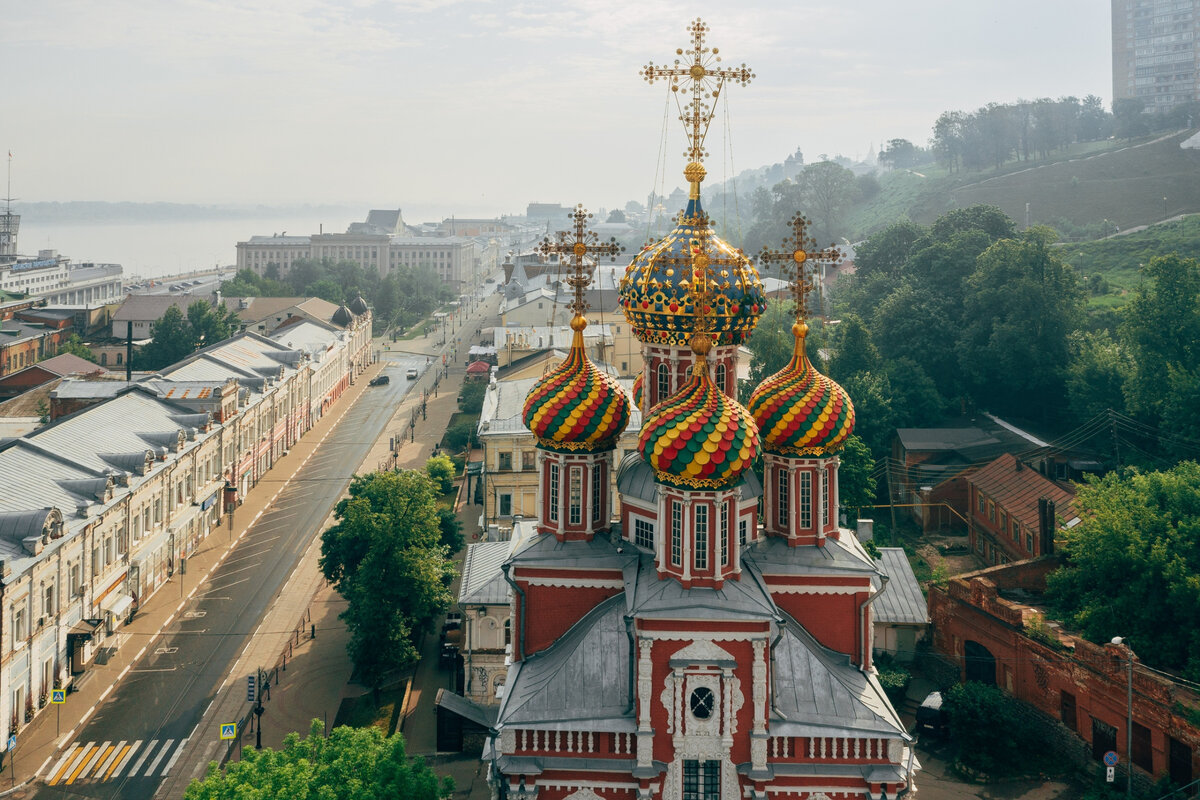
(933, 715)
(379, 380)
(412, 373)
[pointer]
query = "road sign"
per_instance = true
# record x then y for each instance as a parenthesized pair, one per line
(228, 730)
(251, 693)
(12, 741)
(1112, 774)
(58, 695)
(1110, 758)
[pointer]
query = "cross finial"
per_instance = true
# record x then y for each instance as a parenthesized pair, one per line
(707, 82)
(579, 243)
(796, 257)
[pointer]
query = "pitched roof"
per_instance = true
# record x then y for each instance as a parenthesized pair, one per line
(69, 363)
(902, 601)
(138, 307)
(1016, 488)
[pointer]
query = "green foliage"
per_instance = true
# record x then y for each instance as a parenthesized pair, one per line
(451, 530)
(43, 411)
(827, 190)
(1117, 259)
(893, 678)
(75, 346)
(1037, 629)
(470, 397)
(352, 764)
(326, 289)
(460, 436)
(771, 343)
(440, 470)
(385, 556)
(977, 711)
(1097, 374)
(856, 487)
(855, 351)
(1139, 532)
(176, 336)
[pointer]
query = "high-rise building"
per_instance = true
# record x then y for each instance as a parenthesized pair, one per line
(1155, 53)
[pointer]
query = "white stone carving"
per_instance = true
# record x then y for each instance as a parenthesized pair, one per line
(583, 794)
(704, 651)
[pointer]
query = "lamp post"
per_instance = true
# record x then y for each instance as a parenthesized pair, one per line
(1120, 641)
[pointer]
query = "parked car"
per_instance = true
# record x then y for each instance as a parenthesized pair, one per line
(412, 373)
(932, 715)
(379, 380)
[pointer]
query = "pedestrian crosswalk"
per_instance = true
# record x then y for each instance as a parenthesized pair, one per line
(92, 762)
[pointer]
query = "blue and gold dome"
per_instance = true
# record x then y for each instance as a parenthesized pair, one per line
(655, 292)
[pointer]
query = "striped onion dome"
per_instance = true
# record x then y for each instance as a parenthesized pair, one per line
(576, 407)
(699, 437)
(800, 411)
(639, 383)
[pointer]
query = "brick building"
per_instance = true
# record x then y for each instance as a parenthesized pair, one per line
(1007, 501)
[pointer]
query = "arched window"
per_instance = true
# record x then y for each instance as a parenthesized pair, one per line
(721, 378)
(664, 383)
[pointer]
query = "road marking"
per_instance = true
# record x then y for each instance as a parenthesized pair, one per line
(120, 766)
(57, 771)
(154, 764)
(86, 760)
(175, 757)
(113, 753)
(149, 749)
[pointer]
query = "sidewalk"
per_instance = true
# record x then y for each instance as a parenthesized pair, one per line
(39, 742)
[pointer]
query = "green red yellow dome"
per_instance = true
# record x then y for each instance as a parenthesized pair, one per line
(799, 411)
(656, 293)
(699, 437)
(639, 383)
(576, 407)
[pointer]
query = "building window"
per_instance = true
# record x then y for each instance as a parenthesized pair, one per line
(643, 534)
(720, 377)
(1029, 543)
(528, 459)
(979, 502)
(20, 629)
(826, 500)
(784, 500)
(576, 504)
(1016, 531)
(742, 530)
(676, 533)
(805, 500)
(597, 491)
(723, 532)
(506, 505)
(48, 604)
(504, 462)
(664, 383)
(554, 493)
(95, 561)
(701, 542)
(991, 511)
(701, 780)
(1143, 755)
(1003, 520)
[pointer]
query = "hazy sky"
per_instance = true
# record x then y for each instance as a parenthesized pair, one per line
(485, 106)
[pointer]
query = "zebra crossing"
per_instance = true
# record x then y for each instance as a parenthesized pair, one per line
(93, 762)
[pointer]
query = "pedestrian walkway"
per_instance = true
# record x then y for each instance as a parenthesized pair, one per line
(95, 762)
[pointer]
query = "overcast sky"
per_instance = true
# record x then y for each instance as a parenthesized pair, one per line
(485, 106)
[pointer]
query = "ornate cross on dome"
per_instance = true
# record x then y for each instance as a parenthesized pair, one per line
(707, 82)
(798, 253)
(584, 243)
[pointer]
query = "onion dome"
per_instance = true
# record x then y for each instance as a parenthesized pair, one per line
(639, 383)
(655, 292)
(800, 411)
(343, 316)
(359, 306)
(699, 437)
(576, 407)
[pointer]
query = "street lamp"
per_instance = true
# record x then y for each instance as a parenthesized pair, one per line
(1120, 642)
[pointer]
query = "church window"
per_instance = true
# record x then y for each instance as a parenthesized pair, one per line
(554, 493)
(721, 377)
(742, 532)
(643, 534)
(597, 491)
(702, 702)
(576, 508)
(701, 554)
(701, 780)
(723, 532)
(664, 383)
(676, 533)
(784, 498)
(826, 499)
(805, 500)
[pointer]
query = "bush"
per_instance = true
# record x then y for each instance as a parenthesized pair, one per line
(983, 722)
(451, 529)
(470, 397)
(441, 470)
(893, 678)
(459, 436)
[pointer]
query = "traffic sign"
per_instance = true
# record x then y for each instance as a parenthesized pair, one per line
(1110, 758)
(228, 730)
(58, 695)
(1112, 774)
(12, 741)
(251, 693)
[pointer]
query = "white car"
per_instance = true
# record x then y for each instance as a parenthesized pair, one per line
(412, 373)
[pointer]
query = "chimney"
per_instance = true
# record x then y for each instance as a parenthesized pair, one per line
(1046, 525)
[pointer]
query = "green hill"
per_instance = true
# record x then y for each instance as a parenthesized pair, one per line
(1118, 258)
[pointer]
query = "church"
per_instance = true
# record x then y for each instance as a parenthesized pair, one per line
(713, 640)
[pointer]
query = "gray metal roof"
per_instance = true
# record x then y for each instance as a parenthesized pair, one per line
(504, 402)
(482, 579)
(484, 716)
(818, 692)
(902, 601)
(635, 478)
(667, 599)
(772, 556)
(582, 679)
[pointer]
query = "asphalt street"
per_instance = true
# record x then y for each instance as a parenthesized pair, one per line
(130, 743)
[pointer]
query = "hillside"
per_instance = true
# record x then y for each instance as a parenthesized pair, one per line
(1117, 258)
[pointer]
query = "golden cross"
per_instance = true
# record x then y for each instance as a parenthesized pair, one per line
(707, 82)
(585, 242)
(799, 250)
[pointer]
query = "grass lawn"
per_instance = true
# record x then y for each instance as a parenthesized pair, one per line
(417, 330)
(361, 712)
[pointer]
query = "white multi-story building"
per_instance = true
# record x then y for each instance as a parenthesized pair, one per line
(1155, 51)
(60, 282)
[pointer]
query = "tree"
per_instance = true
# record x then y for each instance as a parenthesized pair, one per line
(1139, 532)
(171, 340)
(826, 190)
(352, 764)
(856, 486)
(326, 289)
(616, 215)
(384, 555)
(900, 153)
(855, 351)
(470, 397)
(874, 417)
(771, 343)
(210, 324)
(887, 251)
(440, 470)
(976, 712)
(75, 346)
(1129, 119)
(451, 529)
(1097, 374)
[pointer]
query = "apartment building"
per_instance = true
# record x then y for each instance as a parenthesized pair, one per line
(1155, 55)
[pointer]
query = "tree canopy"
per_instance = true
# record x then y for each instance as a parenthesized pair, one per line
(175, 336)
(352, 764)
(385, 556)
(1132, 564)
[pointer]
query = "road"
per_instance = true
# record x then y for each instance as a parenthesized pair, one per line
(130, 743)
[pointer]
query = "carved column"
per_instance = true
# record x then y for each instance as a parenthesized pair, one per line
(645, 686)
(758, 741)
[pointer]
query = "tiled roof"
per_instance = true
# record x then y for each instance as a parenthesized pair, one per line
(1016, 487)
